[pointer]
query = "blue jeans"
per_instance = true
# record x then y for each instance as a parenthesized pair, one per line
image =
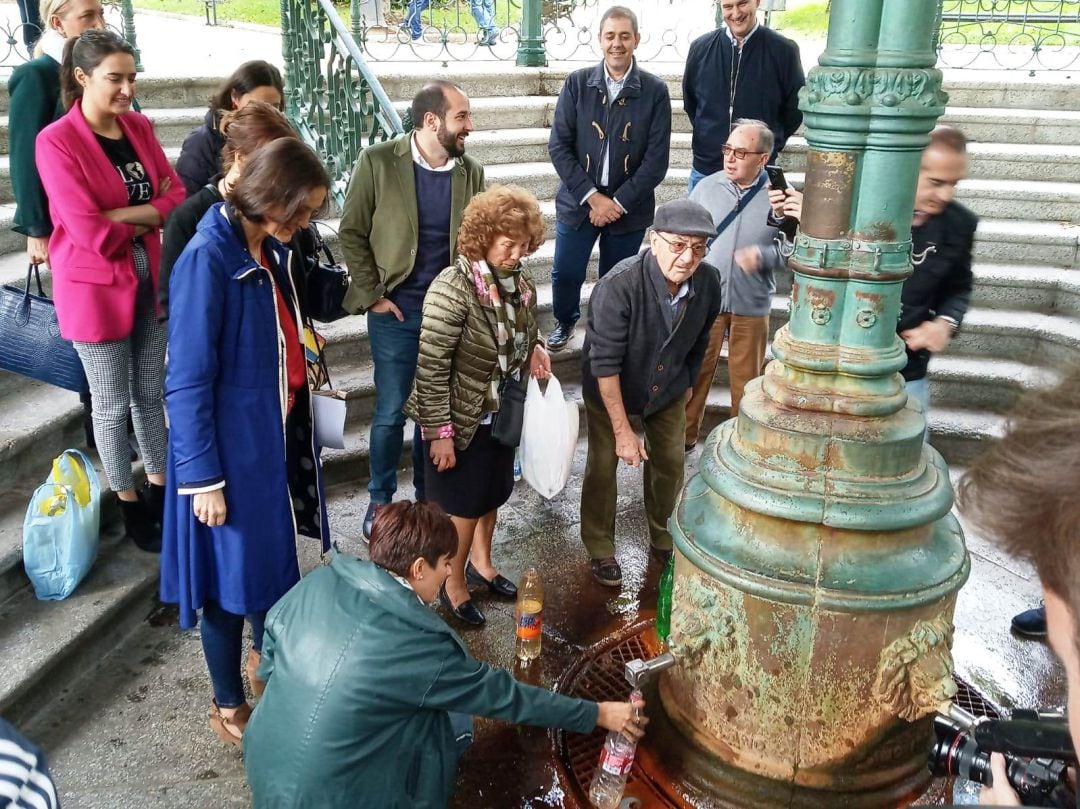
(919, 390)
(483, 12)
(222, 638)
(395, 346)
(695, 178)
(572, 251)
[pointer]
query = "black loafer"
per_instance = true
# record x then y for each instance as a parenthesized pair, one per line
(499, 585)
(607, 571)
(465, 611)
(369, 520)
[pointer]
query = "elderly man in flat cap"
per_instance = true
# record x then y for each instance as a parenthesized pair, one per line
(647, 330)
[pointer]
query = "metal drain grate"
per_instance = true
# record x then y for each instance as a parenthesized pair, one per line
(972, 701)
(598, 676)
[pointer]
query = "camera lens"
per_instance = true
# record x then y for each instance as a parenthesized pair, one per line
(958, 755)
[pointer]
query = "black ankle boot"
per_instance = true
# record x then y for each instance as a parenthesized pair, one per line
(154, 497)
(139, 526)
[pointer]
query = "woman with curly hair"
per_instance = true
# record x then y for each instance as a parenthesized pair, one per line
(478, 333)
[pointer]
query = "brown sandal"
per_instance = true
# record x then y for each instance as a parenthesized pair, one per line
(224, 726)
(252, 668)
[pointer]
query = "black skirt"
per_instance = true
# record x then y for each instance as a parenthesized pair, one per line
(481, 480)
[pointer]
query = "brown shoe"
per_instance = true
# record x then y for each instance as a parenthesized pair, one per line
(230, 729)
(252, 667)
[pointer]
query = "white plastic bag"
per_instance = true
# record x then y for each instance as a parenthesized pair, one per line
(549, 435)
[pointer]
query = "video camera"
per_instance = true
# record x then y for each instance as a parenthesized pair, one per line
(1037, 749)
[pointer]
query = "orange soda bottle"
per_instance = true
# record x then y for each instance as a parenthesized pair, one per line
(528, 615)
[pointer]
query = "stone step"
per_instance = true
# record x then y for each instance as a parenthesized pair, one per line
(1001, 89)
(44, 642)
(161, 92)
(172, 124)
(1011, 125)
(980, 124)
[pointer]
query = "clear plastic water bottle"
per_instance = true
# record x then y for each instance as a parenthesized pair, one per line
(517, 465)
(529, 616)
(616, 759)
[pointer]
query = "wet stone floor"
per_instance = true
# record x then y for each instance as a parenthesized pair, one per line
(132, 731)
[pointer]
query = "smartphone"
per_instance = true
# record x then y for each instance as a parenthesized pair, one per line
(776, 178)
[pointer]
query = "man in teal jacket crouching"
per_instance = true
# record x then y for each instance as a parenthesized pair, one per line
(362, 679)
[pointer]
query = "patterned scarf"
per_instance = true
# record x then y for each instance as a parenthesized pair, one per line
(509, 295)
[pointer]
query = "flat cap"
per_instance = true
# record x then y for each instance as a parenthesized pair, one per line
(684, 217)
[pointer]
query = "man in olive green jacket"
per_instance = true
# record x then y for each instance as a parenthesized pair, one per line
(398, 231)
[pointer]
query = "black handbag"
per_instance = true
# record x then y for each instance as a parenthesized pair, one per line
(506, 428)
(326, 283)
(30, 341)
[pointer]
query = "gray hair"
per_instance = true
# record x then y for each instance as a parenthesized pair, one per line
(766, 139)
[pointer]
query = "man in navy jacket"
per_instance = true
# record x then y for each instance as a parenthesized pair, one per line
(743, 70)
(609, 144)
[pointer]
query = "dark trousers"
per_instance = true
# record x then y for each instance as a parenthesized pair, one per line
(395, 347)
(222, 640)
(572, 251)
(664, 432)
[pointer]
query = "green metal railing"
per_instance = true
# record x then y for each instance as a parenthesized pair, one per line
(331, 95)
(1009, 34)
(14, 35)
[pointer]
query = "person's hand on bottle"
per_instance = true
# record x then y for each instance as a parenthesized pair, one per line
(627, 718)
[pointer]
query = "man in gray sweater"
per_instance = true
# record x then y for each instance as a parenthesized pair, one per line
(745, 254)
(648, 325)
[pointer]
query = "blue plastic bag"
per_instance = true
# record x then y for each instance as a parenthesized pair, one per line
(62, 527)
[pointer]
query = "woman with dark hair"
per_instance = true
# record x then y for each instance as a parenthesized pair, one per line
(33, 104)
(200, 156)
(245, 131)
(478, 334)
(110, 188)
(243, 467)
(369, 694)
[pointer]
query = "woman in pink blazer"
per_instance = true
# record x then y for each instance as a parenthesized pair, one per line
(110, 188)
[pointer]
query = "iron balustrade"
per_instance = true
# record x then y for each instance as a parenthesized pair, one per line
(1009, 34)
(331, 95)
(13, 35)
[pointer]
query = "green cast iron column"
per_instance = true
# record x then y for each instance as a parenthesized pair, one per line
(530, 52)
(817, 563)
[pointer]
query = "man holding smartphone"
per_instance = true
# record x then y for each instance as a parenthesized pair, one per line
(745, 253)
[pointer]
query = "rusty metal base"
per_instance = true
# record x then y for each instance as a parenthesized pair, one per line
(705, 781)
(671, 773)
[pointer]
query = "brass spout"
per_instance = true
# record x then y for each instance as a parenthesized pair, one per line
(638, 671)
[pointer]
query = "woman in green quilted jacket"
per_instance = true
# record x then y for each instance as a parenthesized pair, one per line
(478, 334)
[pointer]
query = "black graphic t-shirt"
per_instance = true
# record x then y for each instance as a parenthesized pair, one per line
(122, 155)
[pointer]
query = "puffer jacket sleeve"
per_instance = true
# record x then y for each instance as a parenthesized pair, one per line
(444, 314)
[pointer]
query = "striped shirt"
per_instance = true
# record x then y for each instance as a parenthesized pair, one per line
(24, 776)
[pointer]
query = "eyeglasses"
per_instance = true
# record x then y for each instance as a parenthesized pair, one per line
(678, 248)
(740, 154)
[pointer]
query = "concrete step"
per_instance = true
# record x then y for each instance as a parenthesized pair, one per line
(1001, 89)
(172, 124)
(1027, 162)
(1009, 125)
(980, 124)
(44, 642)
(37, 421)
(157, 93)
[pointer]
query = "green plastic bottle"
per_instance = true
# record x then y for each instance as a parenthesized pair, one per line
(663, 601)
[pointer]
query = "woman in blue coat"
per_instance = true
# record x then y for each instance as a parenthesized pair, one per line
(243, 467)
